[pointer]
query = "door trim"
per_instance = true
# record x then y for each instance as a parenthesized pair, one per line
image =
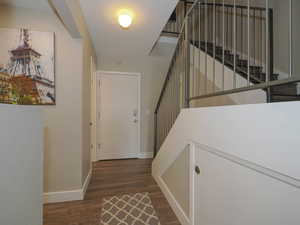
(116, 73)
(93, 112)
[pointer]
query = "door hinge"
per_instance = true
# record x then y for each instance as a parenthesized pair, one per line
(99, 145)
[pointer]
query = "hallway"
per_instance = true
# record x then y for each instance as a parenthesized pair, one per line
(111, 178)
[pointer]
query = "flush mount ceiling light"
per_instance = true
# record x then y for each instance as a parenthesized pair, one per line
(125, 19)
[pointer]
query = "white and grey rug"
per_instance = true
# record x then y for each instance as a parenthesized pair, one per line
(130, 209)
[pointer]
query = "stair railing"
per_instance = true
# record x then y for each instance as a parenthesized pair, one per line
(176, 20)
(223, 48)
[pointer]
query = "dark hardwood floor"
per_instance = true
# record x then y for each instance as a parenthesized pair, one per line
(111, 178)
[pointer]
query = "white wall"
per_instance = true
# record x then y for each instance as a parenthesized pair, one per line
(262, 137)
(265, 134)
(21, 165)
(232, 191)
(67, 140)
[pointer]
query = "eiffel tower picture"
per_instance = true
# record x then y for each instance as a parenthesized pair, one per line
(26, 79)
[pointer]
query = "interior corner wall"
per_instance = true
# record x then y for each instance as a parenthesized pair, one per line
(153, 72)
(88, 53)
(63, 122)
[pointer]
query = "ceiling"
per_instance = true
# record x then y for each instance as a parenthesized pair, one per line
(113, 42)
(33, 4)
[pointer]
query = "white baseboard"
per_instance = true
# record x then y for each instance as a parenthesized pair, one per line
(63, 196)
(66, 196)
(145, 155)
(86, 183)
(184, 220)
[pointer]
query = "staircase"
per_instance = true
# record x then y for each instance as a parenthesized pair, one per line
(222, 49)
(287, 92)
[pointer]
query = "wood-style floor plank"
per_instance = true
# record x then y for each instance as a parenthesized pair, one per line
(110, 178)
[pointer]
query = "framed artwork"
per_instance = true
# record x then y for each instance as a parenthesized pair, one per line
(27, 67)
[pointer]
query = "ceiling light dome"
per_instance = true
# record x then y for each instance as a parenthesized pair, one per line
(125, 20)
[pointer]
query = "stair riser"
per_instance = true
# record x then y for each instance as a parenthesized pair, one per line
(256, 72)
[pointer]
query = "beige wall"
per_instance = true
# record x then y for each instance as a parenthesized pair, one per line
(67, 154)
(153, 70)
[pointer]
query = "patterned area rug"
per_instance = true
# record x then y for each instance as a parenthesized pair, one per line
(130, 209)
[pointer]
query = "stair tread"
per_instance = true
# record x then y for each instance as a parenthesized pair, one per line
(286, 92)
(283, 98)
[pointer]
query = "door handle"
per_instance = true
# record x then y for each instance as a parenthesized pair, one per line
(135, 121)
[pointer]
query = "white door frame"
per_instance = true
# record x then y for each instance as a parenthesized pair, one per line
(93, 110)
(116, 73)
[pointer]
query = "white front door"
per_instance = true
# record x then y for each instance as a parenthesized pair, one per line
(118, 116)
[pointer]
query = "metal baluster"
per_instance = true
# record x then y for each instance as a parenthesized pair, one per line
(155, 134)
(199, 45)
(268, 51)
(242, 34)
(231, 29)
(291, 38)
(177, 18)
(254, 34)
(160, 125)
(206, 29)
(176, 78)
(214, 45)
(218, 25)
(261, 38)
(267, 41)
(179, 74)
(173, 91)
(158, 131)
(235, 38)
(163, 121)
(169, 100)
(209, 23)
(194, 64)
(248, 37)
(187, 64)
(166, 106)
(173, 88)
(174, 84)
(227, 28)
(183, 71)
(223, 45)
(271, 46)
